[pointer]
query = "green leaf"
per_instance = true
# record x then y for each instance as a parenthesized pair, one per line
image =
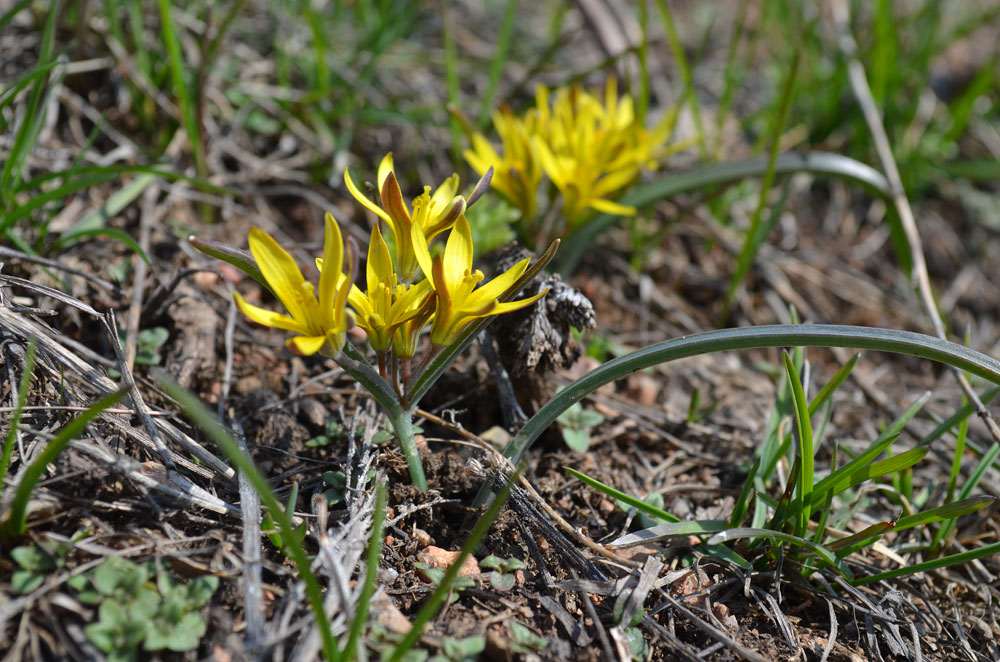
(460, 650)
(26, 581)
(33, 557)
(240, 259)
(576, 439)
(102, 635)
(805, 439)
(704, 527)
(502, 582)
(706, 177)
(491, 562)
(526, 641)
(807, 335)
(188, 632)
(778, 536)
(200, 590)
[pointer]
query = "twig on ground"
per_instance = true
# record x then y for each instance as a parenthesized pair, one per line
(253, 588)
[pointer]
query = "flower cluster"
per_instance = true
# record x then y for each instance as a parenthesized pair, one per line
(401, 296)
(590, 149)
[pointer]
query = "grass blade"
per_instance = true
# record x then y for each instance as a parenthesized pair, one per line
(756, 234)
(15, 419)
(934, 564)
(15, 524)
(777, 536)
(667, 531)
(946, 512)
(498, 62)
(806, 335)
(680, 59)
(846, 481)
(444, 588)
(187, 107)
(360, 618)
(805, 450)
(638, 504)
(817, 163)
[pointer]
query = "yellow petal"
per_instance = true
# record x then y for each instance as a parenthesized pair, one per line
(359, 302)
(497, 287)
(445, 305)
(609, 207)
(384, 168)
(458, 252)
(444, 194)
(421, 251)
(280, 272)
(331, 273)
(446, 218)
(392, 201)
(363, 199)
(379, 269)
(517, 305)
(305, 345)
(266, 317)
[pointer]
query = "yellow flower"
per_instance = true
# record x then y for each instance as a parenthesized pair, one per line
(459, 302)
(518, 173)
(432, 213)
(387, 304)
(320, 323)
(590, 149)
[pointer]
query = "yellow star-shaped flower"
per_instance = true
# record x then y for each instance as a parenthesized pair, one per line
(459, 301)
(433, 214)
(387, 303)
(320, 323)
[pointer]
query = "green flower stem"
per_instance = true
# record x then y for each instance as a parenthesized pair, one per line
(400, 417)
(794, 335)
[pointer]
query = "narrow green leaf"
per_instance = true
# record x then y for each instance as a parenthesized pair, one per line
(638, 504)
(861, 474)
(948, 511)
(499, 61)
(199, 414)
(15, 524)
(747, 532)
(846, 546)
(903, 342)
(15, 420)
(360, 618)
(239, 258)
(934, 564)
(805, 450)
(705, 177)
(756, 233)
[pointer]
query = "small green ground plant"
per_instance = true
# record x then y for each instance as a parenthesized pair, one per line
(141, 608)
(502, 571)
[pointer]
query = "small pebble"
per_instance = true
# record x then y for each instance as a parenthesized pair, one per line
(435, 557)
